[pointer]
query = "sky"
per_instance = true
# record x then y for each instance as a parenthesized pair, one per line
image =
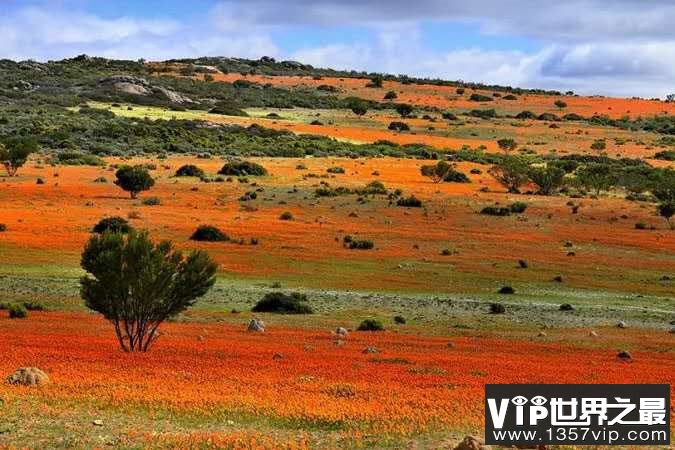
(606, 47)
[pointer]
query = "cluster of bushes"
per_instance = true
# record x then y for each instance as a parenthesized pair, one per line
(357, 244)
(514, 208)
(372, 188)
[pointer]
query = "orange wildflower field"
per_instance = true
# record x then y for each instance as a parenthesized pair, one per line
(414, 384)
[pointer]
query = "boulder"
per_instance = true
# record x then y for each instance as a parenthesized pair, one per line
(471, 443)
(28, 376)
(341, 332)
(256, 325)
(370, 350)
(621, 324)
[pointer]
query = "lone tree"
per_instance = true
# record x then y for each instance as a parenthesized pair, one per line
(511, 172)
(134, 179)
(137, 284)
(560, 104)
(404, 109)
(14, 152)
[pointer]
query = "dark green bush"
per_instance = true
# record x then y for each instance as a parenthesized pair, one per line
(278, 302)
(17, 312)
(190, 170)
(362, 244)
(480, 98)
(335, 170)
(497, 308)
(114, 224)
(495, 211)
(209, 233)
(399, 126)
(506, 290)
(370, 325)
(518, 207)
(409, 202)
(242, 168)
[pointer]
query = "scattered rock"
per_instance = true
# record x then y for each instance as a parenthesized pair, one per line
(98, 422)
(593, 334)
(621, 324)
(339, 343)
(277, 356)
(370, 350)
(341, 332)
(256, 325)
(542, 334)
(471, 443)
(28, 376)
(450, 345)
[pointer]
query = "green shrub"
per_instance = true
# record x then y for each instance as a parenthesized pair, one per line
(480, 98)
(228, 109)
(286, 215)
(190, 170)
(78, 159)
(278, 302)
(518, 207)
(399, 320)
(242, 168)
(335, 170)
(34, 306)
(495, 211)
(497, 308)
(399, 126)
(370, 325)
(209, 233)
(409, 202)
(114, 224)
(566, 307)
(362, 244)
(18, 312)
(151, 201)
(506, 290)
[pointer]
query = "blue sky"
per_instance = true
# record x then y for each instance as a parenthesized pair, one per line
(618, 47)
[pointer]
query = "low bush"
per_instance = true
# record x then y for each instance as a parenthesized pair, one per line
(361, 244)
(151, 201)
(518, 207)
(480, 98)
(242, 168)
(409, 202)
(278, 302)
(286, 215)
(370, 325)
(190, 170)
(566, 307)
(335, 170)
(497, 308)
(399, 320)
(114, 224)
(18, 312)
(399, 126)
(209, 233)
(506, 290)
(495, 211)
